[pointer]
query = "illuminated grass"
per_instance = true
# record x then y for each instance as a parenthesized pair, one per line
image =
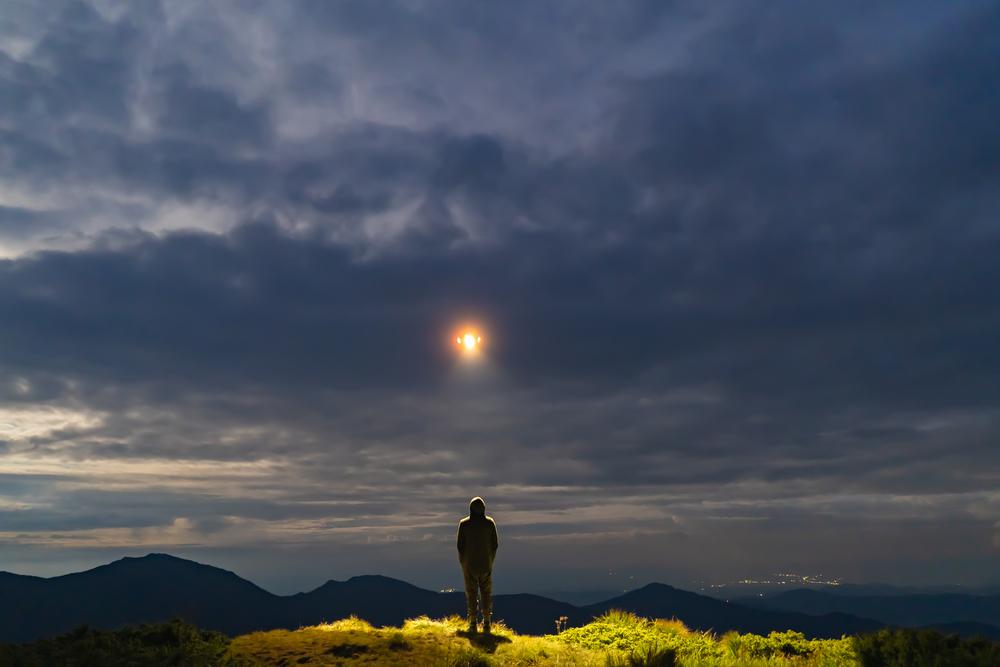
(630, 640)
(617, 639)
(421, 641)
(346, 624)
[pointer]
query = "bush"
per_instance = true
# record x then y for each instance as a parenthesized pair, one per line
(924, 648)
(788, 643)
(616, 630)
(629, 637)
(650, 656)
(173, 643)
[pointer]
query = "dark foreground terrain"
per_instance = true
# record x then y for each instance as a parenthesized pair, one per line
(614, 639)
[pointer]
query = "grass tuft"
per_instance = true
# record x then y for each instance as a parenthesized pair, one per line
(351, 623)
(397, 642)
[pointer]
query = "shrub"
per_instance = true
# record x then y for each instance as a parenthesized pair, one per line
(924, 648)
(615, 630)
(627, 636)
(649, 656)
(790, 643)
(671, 625)
(173, 643)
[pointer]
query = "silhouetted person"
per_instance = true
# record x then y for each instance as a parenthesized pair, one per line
(477, 547)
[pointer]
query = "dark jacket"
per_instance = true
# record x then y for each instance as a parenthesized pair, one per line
(477, 540)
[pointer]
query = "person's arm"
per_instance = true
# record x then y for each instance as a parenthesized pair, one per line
(461, 541)
(496, 538)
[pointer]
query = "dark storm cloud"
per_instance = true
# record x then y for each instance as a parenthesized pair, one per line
(736, 264)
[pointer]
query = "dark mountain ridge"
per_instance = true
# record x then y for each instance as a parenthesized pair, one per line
(705, 613)
(905, 610)
(159, 587)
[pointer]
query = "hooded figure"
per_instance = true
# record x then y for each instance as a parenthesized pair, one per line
(477, 546)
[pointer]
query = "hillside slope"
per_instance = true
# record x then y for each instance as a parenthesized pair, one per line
(156, 587)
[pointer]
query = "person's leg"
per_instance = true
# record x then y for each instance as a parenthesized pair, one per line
(486, 592)
(471, 601)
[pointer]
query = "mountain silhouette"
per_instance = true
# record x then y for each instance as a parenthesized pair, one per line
(159, 587)
(966, 629)
(131, 590)
(706, 613)
(938, 610)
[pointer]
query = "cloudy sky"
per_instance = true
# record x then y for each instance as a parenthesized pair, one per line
(737, 264)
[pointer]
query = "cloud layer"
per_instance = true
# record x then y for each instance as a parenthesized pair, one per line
(737, 265)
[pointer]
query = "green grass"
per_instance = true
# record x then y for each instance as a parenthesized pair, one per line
(616, 639)
(924, 648)
(173, 643)
(629, 639)
(421, 641)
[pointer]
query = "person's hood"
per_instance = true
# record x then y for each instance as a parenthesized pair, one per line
(477, 507)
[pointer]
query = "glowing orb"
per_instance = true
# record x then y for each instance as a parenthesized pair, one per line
(469, 341)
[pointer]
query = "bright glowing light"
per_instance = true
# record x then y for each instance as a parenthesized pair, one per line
(469, 341)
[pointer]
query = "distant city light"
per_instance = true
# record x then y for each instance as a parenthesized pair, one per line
(781, 579)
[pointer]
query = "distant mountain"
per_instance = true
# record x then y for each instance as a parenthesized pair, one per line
(967, 629)
(380, 600)
(876, 589)
(705, 613)
(152, 588)
(159, 587)
(581, 598)
(903, 610)
(745, 593)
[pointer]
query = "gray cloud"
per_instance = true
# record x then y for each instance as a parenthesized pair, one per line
(736, 268)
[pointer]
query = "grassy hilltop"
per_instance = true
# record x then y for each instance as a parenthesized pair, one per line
(617, 639)
(614, 639)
